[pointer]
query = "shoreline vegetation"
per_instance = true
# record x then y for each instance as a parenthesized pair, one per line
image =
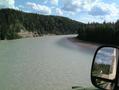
(105, 33)
(16, 24)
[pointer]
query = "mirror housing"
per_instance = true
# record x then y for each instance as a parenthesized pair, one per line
(104, 68)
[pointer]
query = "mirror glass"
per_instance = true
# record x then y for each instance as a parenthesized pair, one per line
(105, 63)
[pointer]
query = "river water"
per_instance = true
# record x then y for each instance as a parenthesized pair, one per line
(44, 63)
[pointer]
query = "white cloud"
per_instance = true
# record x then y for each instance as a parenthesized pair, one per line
(54, 2)
(59, 11)
(72, 6)
(108, 11)
(45, 2)
(90, 6)
(21, 7)
(97, 11)
(78, 5)
(7, 4)
(105, 9)
(96, 8)
(40, 8)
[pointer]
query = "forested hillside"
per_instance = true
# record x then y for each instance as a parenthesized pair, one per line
(16, 24)
(105, 33)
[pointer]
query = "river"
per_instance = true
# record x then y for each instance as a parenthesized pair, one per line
(44, 63)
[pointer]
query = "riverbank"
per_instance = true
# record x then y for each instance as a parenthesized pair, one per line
(72, 38)
(84, 44)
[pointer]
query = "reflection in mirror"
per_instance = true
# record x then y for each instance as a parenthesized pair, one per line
(104, 84)
(105, 63)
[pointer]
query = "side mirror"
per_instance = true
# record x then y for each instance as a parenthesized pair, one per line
(104, 68)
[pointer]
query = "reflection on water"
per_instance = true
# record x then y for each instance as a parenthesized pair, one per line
(43, 64)
(72, 44)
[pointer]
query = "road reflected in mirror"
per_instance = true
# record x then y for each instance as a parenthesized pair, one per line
(104, 84)
(105, 63)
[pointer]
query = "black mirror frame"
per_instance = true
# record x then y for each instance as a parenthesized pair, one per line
(117, 74)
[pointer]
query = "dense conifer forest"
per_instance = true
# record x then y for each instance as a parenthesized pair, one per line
(13, 22)
(105, 33)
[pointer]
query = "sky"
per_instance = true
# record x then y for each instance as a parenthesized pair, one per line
(80, 10)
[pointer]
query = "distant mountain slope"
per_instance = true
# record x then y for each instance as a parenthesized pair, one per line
(16, 24)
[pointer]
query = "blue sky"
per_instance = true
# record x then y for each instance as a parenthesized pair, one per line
(80, 10)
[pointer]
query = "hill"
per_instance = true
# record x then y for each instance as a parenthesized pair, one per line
(17, 24)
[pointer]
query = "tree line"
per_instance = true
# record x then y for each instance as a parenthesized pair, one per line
(13, 21)
(104, 33)
(101, 69)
